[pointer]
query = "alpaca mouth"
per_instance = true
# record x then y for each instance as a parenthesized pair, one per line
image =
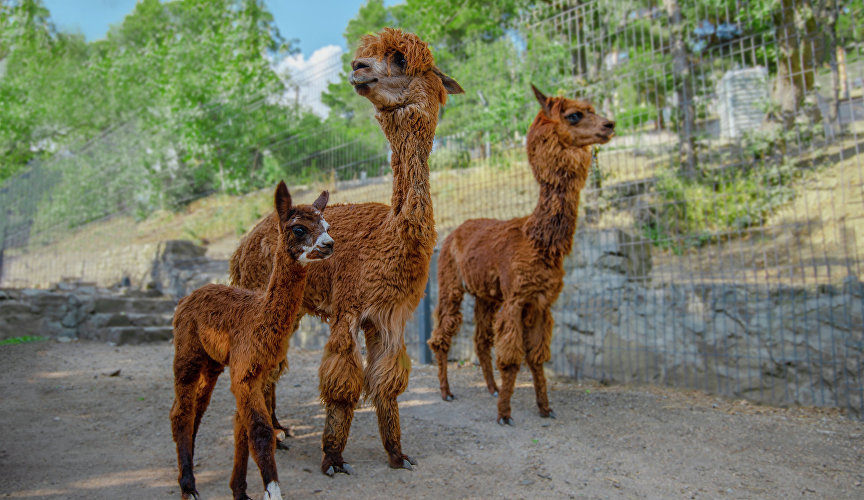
(320, 253)
(605, 137)
(361, 85)
(362, 89)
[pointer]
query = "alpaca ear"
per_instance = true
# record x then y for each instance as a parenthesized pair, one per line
(450, 85)
(321, 202)
(282, 200)
(543, 100)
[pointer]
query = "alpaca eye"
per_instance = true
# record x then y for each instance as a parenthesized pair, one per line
(299, 232)
(574, 118)
(399, 59)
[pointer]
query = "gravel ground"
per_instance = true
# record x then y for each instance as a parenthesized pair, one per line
(75, 428)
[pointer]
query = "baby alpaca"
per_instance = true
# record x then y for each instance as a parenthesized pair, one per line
(248, 331)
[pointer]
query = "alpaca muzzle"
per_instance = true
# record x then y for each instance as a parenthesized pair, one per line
(322, 249)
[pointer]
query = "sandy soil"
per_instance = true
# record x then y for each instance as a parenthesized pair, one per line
(71, 430)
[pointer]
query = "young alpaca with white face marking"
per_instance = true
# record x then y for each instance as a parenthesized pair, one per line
(248, 331)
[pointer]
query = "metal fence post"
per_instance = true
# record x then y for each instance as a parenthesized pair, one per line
(424, 316)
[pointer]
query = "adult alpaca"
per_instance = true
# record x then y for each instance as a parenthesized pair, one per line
(514, 268)
(377, 279)
(248, 331)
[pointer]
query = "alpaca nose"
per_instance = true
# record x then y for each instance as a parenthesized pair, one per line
(325, 244)
(610, 125)
(358, 77)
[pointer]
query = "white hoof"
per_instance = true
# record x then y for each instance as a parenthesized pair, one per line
(273, 492)
(280, 435)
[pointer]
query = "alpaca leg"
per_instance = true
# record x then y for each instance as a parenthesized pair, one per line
(252, 411)
(386, 377)
(538, 340)
(206, 384)
(484, 315)
(509, 351)
(340, 383)
(270, 393)
(241, 459)
(448, 315)
(187, 375)
(282, 432)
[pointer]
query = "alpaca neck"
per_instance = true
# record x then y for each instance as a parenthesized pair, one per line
(561, 173)
(285, 290)
(410, 131)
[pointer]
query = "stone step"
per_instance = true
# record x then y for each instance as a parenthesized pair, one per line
(13, 307)
(124, 335)
(133, 305)
(102, 320)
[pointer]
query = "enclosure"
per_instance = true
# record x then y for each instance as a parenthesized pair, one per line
(720, 238)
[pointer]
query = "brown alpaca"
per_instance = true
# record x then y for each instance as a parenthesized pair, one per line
(248, 331)
(514, 268)
(377, 279)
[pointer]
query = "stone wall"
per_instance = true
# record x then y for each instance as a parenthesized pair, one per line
(777, 345)
(774, 344)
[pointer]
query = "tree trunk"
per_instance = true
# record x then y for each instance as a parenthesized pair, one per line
(683, 90)
(796, 54)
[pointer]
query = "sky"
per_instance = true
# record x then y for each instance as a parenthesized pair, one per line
(318, 24)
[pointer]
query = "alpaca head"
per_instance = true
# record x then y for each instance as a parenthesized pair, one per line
(575, 123)
(394, 69)
(302, 228)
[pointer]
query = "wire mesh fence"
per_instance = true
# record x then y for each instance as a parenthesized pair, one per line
(720, 235)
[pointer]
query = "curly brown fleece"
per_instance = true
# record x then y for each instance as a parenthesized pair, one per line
(376, 279)
(514, 268)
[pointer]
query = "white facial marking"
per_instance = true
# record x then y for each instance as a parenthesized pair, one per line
(273, 492)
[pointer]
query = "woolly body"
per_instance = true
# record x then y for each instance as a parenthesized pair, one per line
(377, 278)
(514, 268)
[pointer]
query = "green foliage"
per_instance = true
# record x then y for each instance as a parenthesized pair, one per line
(692, 212)
(22, 340)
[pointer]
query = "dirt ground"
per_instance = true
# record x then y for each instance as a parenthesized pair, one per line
(72, 430)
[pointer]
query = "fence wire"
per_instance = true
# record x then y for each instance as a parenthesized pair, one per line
(720, 236)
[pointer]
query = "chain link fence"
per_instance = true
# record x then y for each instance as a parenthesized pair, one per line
(720, 237)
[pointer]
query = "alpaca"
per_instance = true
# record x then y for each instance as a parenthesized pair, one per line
(378, 277)
(514, 268)
(248, 331)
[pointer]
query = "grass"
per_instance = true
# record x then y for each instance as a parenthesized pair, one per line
(747, 216)
(22, 340)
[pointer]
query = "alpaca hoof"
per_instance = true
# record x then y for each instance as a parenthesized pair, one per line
(186, 495)
(273, 491)
(280, 435)
(449, 397)
(495, 394)
(344, 469)
(506, 421)
(406, 464)
(549, 414)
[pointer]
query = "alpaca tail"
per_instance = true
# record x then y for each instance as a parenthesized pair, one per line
(448, 314)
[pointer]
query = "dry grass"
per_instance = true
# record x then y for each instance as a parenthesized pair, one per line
(813, 239)
(816, 238)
